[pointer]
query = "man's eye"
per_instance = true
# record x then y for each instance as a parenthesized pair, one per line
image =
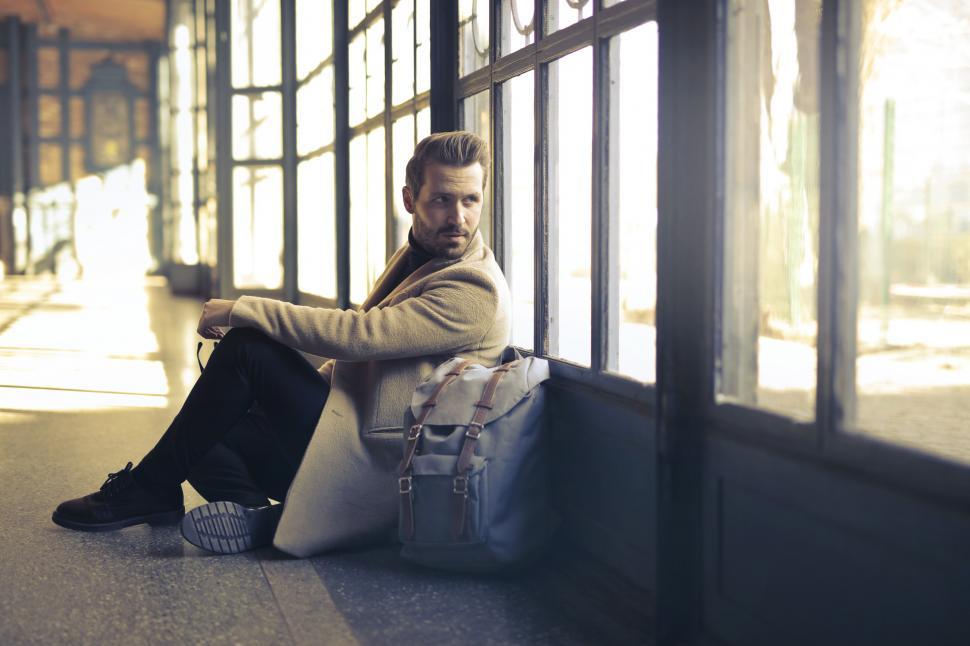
(441, 199)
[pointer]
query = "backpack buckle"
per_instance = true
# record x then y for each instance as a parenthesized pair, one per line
(474, 430)
(404, 485)
(414, 432)
(461, 486)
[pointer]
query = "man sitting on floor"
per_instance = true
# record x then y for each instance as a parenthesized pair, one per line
(261, 423)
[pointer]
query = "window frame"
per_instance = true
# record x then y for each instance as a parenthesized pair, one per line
(386, 118)
(827, 438)
(594, 31)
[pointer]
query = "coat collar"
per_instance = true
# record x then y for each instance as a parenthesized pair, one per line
(384, 289)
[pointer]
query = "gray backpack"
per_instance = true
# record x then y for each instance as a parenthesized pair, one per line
(473, 480)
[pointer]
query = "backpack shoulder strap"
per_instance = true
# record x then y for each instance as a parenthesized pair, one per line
(474, 431)
(414, 436)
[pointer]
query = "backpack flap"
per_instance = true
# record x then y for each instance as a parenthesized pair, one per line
(456, 408)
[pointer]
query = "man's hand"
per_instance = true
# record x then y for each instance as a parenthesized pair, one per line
(215, 315)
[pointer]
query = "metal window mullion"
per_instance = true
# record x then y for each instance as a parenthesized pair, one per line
(257, 89)
(12, 156)
(546, 261)
(444, 64)
(64, 53)
(223, 141)
(603, 257)
(194, 110)
(32, 176)
(288, 100)
(390, 245)
(499, 136)
(155, 170)
(341, 74)
(316, 152)
(838, 254)
(367, 21)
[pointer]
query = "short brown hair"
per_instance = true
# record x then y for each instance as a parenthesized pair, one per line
(459, 148)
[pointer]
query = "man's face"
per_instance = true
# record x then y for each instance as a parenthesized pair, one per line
(447, 211)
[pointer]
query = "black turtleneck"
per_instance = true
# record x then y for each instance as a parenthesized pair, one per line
(417, 255)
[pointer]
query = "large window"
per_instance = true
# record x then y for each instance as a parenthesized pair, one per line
(885, 338)
(183, 128)
(575, 222)
(912, 354)
(388, 99)
(771, 207)
(315, 138)
(257, 145)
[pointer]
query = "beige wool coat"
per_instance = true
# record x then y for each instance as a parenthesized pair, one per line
(345, 491)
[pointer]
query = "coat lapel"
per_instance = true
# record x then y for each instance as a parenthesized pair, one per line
(391, 275)
(423, 271)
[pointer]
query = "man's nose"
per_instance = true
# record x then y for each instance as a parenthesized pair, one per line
(457, 215)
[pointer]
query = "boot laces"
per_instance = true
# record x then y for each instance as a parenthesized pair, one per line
(118, 481)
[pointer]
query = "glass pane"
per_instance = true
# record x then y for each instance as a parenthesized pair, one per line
(913, 343)
(314, 112)
(422, 47)
(356, 11)
(48, 67)
(518, 205)
(255, 43)
(570, 222)
(518, 26)
(402, 66)
(403, 148)
(472, 36)
(48, 115)
(375, 68)
(367, 213)
(257, 227)
(562, 13)
(769, 281)
(633, 203)
(257, 126)
(475, 118)
(357, 80)
(424, 123)
(314, 35)
(317, 244)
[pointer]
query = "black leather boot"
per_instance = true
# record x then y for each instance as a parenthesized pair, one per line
(121, 502)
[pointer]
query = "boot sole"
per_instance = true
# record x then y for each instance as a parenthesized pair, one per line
(162, 518)
(230, 528)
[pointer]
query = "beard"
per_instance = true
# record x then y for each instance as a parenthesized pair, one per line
(443, 242)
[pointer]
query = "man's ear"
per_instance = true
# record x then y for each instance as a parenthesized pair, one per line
(408, 199)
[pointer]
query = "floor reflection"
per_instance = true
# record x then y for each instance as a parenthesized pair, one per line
(79, 346)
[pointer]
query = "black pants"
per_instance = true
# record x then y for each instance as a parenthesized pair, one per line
(244, 427)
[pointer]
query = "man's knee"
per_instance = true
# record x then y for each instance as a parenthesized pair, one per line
(238, 335)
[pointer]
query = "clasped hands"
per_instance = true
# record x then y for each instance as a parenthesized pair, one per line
(215, 317)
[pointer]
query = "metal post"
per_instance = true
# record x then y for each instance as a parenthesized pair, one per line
(290, 231)
(444, 65)
(13, 155)
(341, 75)
(223, 112)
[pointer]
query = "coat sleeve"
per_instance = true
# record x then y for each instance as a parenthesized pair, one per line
(451, 314)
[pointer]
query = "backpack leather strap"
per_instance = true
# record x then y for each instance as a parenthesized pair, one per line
(414, 433)
(414, 436)
(472, 434)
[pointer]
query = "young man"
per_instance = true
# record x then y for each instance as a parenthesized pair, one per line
(261, 423)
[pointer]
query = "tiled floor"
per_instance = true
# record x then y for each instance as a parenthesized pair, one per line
(90, 375)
